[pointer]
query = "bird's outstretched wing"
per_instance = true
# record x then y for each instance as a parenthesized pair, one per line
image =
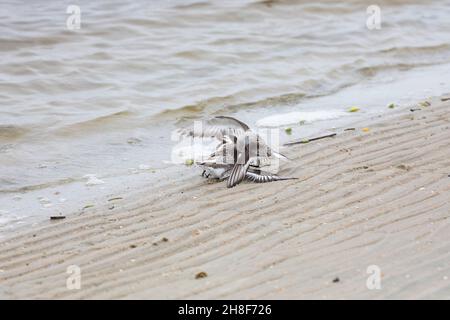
(217, 127)
(238, 172)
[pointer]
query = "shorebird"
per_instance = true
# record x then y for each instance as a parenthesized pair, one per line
(240, 155)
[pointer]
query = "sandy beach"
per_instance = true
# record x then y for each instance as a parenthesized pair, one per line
(379, 196)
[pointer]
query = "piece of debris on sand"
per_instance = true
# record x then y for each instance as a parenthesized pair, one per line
(201, 275)
(164, 239)
(57, 217)
(404, 167)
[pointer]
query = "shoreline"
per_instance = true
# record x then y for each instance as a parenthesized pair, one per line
(363, 198)
(129, 160)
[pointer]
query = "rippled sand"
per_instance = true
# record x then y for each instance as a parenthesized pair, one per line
(363, 198)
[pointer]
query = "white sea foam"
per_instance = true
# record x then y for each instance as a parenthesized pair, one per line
(92, 180)
(299, 117)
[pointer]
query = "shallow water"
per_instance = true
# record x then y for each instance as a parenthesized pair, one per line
(104, 99)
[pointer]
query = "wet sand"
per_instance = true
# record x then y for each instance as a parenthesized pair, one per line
(380, 198)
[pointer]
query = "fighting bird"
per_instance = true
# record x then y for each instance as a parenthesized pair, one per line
(240, 155)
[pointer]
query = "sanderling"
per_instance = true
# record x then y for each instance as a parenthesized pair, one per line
(240, 155)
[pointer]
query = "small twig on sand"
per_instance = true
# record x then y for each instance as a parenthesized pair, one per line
(416, 109)
(57, 217)
(309, 140)
(350, 129)
(116, 198)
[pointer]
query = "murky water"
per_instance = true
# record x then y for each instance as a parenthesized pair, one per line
(104, 99)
